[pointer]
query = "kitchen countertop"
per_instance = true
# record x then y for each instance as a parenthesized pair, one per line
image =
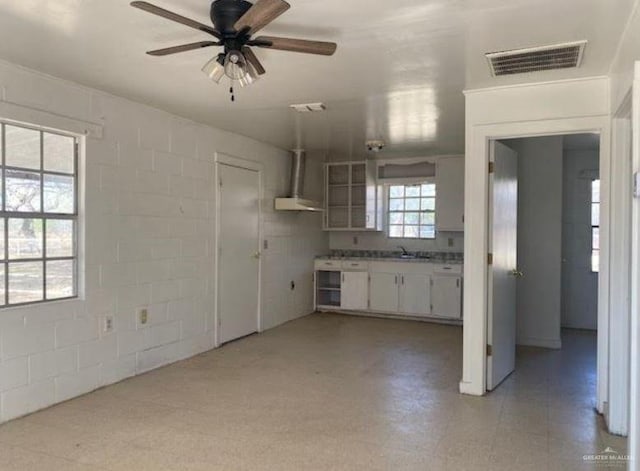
(392, 259)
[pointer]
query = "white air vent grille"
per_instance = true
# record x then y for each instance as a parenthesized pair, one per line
(536, 59)
(309, 107)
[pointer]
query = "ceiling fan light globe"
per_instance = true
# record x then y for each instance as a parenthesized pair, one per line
(235, 65)
(214, 69)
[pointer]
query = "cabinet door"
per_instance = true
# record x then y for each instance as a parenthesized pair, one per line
(354, 291)
(446, 296)
(383, 290)
(450, 194)
(415, 294)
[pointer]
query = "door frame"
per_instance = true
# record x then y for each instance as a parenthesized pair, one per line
(617, 412)
(474, 379)
(245, 164)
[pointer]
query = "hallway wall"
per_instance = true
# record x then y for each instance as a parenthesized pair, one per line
(539, 240)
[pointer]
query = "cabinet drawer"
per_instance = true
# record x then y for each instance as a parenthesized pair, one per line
(331, 265)
(355, 265)
(443, 269)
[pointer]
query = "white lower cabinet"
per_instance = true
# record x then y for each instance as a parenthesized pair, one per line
(383, 292)
(410, 289)
(446, 293)
(354, 290)
(415, 294)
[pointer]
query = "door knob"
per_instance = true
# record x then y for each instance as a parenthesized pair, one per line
(517, 273)
(257, 255)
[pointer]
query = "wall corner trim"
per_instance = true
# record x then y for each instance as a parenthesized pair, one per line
(47, 120)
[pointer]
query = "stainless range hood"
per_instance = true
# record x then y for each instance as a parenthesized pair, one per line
(295, 201)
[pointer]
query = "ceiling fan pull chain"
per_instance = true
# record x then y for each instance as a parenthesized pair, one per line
(233, 96)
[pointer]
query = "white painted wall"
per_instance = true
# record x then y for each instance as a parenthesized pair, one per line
(579, 283)
(149, 235)
(539, 240)
(381, 241)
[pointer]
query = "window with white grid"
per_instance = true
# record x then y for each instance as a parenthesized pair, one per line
(39, 215)
(411, 210)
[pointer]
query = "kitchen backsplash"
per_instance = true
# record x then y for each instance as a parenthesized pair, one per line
(435, 256)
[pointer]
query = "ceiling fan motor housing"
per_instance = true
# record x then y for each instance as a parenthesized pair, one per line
(225, 14)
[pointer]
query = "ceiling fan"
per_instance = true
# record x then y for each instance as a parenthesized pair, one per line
(235, 22)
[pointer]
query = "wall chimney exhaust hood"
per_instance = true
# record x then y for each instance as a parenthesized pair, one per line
(295, 201)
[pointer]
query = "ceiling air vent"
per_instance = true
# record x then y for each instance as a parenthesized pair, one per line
(308, 107)
(536, 59)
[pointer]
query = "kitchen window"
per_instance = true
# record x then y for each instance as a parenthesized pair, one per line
(411, 211)
(595, 226)
(39, 215)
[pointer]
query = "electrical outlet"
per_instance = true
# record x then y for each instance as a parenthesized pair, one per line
(265, 245)
(355, 240)
(108, 324)
(144, 316)
(450, 242)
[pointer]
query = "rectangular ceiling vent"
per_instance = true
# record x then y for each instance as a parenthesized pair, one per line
(536, 59)
(309, 107)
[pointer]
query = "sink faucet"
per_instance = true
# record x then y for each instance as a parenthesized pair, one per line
(404, 251)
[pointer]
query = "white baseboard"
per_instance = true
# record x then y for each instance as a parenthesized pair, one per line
(471, 389)
(555, 344)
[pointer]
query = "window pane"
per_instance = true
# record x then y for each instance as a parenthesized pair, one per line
(59, 238)
(59, 153)
(396, 205)
(22, 147)
(411, 232)
(428, 204)
(413, 190)
(595, 191)
(396, 191)
(25, 238)
(596, 238)
(3, 297)
(58, 194)
(427, 232)
(412, 218)
(23, 191)
(60, 279)
(396, 218)
(25, 282)
(395, 231)
(427, 218)
(412, 204)
(428, 189)
(595, 214)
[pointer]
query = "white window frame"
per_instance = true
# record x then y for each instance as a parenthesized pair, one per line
(387, 210)
(5, 303)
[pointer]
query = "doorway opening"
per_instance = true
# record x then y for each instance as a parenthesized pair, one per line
(545, 243)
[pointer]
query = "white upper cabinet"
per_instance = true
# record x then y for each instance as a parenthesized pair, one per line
(352, 197)
(450, 194)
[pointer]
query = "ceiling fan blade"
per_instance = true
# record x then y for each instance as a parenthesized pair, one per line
(297, 45)
(183, 48)
(169, 15)
(253, 59)
(261, 14)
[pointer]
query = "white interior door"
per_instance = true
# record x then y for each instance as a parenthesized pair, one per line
(503, 244)
(239, 252)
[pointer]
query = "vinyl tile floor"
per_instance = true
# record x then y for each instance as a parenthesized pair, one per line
(327, 392)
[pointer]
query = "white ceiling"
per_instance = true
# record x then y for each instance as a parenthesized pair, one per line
(398, 74)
